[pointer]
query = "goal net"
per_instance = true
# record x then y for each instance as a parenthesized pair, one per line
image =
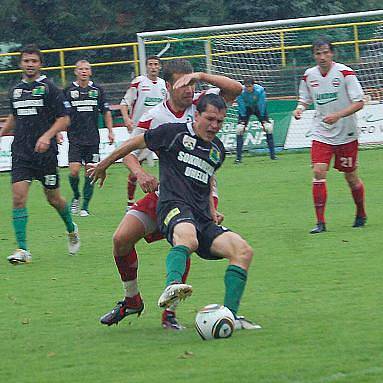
(275, 54)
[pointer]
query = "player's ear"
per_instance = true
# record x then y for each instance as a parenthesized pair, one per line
(169, 86)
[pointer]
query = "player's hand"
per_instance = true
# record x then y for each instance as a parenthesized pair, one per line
(331, 118)
(42, 144)
(111, 138)
(129, 124)
(96, 172)
(187, 79)
(147, 182)
(59, 138)
(219, 217)
(298, 114)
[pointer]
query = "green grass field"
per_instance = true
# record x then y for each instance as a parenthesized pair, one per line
(318, 298)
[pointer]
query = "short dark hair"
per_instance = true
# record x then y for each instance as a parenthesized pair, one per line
(31, 49)
(320, 42)
(248, 81)
(153, 57)
(176, 66)
(211, 99)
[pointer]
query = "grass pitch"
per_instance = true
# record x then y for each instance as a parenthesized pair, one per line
(318, 297)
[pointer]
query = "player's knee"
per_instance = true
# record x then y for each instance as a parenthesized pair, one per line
(191, 243)
(246, 252)
(74, 173)
(54, 200)
(120, 241)
(243, 253)
(319, 174)
(18, 202)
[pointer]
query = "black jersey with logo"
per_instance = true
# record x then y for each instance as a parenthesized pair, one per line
(35, 105)
(86, 104)
(186, 164)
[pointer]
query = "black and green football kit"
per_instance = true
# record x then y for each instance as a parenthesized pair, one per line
(187, 164)
(83, 134)
(35, 106)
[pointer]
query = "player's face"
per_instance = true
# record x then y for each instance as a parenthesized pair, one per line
(208, 123)
(249, 88)
(153, 68)
(323, 56)
(83, 71)
(30, 64)
(181, 97)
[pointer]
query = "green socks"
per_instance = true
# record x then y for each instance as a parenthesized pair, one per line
(20, 219)
(176, 264)
(67, 218)
(74, 181)
(88, 192)
(235, 282)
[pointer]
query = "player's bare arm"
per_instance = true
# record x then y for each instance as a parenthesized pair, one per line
(147, 182)
(43, 143)
(98, 171)
(109, 124)
(215, 214)
(301, 107)
(125, 116)
(332, 118)
(230, 88)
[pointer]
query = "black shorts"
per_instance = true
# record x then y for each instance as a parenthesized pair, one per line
(26, 171)
(84, 154)
(169, 215)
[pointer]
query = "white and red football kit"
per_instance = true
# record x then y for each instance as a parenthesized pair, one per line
(330, 93)
(142, 95)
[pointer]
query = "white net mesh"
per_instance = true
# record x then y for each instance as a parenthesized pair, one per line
(277, 55)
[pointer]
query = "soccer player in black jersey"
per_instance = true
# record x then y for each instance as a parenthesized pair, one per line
(87, 100)
(189, 154)
(38, 113)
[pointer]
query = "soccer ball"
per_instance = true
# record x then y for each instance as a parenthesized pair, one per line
(214, 322)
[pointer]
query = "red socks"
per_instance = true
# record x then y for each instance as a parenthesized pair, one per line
(127, 266)
(358, 195)
(319, 190)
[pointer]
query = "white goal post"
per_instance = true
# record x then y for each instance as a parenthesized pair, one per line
(276, 54)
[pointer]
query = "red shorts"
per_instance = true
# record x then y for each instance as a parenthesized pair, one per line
(346, 155)
(148, 205)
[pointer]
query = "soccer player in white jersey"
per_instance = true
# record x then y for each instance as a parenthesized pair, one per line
(337, 95)
(144, 93)
(140, 221)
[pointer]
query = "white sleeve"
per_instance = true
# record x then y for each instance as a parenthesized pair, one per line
(130, 97)
(136, 132)
(354, 89)
(304, 91)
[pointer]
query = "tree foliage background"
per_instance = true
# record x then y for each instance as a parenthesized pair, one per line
(71, 23)
(57, 23)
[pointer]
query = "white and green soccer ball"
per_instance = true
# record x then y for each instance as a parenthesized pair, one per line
(214, 322)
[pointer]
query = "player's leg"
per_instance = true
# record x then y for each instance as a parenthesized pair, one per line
(90, 155)
(268, 126)
(74, 158)
(233, 247)
(133, 227)
(358, 194)
(320, 158)
(177, 222)
(346, 158)
(241, 128)
(56, 200)
(50, 180)
(20, 218)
